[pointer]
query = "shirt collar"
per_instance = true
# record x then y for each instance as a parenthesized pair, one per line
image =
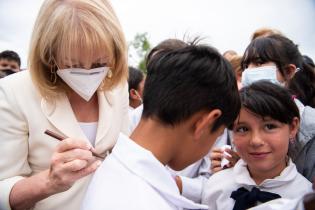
(144, 164)
(243, 177)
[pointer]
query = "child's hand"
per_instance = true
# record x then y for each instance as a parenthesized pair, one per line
(233, 158)
(216, 157)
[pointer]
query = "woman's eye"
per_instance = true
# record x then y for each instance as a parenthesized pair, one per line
(98, 65)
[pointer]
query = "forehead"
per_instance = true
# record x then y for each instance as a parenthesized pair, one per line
(248, 116)
(84, 57)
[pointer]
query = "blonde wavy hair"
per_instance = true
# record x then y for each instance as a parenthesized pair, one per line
(64, 27)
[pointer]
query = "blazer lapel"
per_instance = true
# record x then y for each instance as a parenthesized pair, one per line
(61, 116)
(105, 119)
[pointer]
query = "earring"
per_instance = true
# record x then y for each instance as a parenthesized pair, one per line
(53, 75)
(292, 140)
(109, 74)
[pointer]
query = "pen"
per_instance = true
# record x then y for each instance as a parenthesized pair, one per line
(60, 138)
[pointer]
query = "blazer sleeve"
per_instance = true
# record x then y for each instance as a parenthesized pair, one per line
(13, 143)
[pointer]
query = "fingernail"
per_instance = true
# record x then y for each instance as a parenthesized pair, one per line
(225, 154)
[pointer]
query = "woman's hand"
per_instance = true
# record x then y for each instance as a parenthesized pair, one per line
(217, 155)
(71, 161)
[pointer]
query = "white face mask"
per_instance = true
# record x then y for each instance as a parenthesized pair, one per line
(260, 73)
(84, 82)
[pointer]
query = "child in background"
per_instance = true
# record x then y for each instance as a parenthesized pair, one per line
(10, 63)
(267, 125)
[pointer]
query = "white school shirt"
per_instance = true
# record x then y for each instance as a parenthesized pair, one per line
(135, 117)
(132, 178)
(282, 204)
(194, 176)
(218, 189)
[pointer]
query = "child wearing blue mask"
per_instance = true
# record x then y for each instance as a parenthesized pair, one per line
(277, 59)
(262, 134)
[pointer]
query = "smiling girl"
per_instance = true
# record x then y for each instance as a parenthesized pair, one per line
(267, 124)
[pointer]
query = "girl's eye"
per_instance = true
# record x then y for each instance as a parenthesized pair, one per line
(241, 129)
(270, 126)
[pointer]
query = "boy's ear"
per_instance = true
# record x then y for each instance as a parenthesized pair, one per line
(133, 94)
(205, 122)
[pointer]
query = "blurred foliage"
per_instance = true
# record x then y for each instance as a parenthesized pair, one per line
(142, 46)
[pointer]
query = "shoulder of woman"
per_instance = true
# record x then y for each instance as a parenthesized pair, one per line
(21, 79)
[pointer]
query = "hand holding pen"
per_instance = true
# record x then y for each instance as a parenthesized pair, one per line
(72, 160)
(61, 138)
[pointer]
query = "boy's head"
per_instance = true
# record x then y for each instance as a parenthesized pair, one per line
(196, 85)
(135, 83)
(10, 60)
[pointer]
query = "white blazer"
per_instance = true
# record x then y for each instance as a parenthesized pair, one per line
(25, 149)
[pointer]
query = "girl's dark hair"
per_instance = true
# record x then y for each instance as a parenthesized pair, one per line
(282, 51)
(303, 85)
(267, 99)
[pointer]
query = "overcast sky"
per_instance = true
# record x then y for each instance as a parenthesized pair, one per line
(226, 24)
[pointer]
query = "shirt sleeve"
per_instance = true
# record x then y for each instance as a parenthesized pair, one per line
(13, 144)
(192, 187)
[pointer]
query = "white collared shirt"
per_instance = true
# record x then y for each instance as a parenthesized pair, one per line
(135, 117)
(281, 204)
(132, 178)
(217, 191)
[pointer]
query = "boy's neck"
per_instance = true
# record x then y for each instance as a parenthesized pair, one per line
(161, 140)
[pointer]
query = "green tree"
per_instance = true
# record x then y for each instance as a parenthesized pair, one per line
(142, 46)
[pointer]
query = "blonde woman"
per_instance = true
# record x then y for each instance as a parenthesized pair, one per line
(75, 87)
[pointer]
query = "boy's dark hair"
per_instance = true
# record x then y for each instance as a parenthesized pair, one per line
(267, 99)
(11, 56)
(135, 77)
(184, 81)
(168, 44)
(282, 51)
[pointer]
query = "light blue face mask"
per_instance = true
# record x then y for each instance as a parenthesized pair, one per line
(260, 73)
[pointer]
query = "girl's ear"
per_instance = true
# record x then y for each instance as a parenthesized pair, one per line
(294, 127)
(290, 71)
